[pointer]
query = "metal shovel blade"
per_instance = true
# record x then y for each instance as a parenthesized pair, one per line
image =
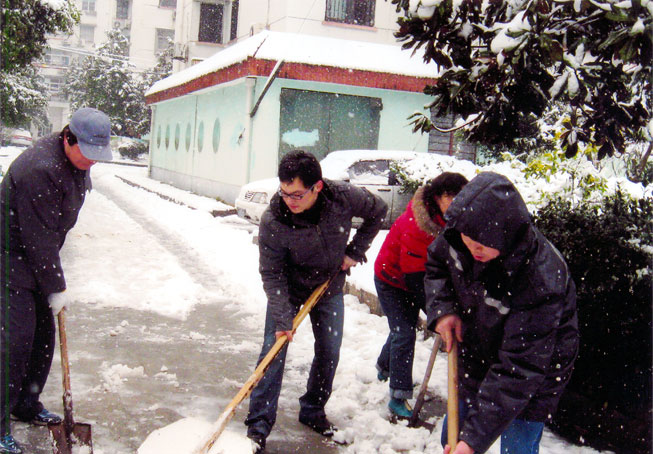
(76, 441)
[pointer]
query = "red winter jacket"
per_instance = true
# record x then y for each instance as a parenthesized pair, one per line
(404, 249)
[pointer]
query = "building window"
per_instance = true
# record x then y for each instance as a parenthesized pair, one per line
(218, 22)
(122, 9)
(163, 38)
(188, 137)
(56, 58)
(167, 3)
(54, 83)
(88, 7)
(87, 33)
(356, 12)
(216, 135)
(211, 21)
(200, 137)
(177, 136)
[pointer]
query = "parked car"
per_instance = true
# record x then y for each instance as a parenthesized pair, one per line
(20, 138)
(369, 169)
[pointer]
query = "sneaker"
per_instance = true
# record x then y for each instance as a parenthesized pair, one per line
(382, 376)
(400, 409)
(9, 446)
(45, 417)
(319, 424)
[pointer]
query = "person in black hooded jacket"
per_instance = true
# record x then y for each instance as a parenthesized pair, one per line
(496, 285)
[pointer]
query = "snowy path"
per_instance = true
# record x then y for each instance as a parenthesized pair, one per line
(189, 259)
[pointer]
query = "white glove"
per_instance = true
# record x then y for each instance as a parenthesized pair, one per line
(57, 301)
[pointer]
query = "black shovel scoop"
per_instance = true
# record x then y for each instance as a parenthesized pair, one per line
(68, 434)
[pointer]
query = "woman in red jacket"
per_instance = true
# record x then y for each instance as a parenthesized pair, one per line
(399, 280)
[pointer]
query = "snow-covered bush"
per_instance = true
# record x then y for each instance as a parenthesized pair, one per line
(609, 249)
(542, 179)
(132, 149)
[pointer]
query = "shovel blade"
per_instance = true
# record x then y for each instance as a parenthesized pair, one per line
(77, 441)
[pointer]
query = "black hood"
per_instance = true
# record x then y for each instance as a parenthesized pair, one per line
(489, 210)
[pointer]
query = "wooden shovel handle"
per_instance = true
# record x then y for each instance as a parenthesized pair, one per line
(68, 419)
(452, 398)
(425, 383)
(251, 382)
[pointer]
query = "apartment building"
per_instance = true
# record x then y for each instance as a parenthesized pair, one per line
(204, 27)
(148, 23)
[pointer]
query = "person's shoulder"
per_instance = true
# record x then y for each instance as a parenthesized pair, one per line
(548, 271)
(35, 160)
(343, 190)
(271, 220)
(336, 186)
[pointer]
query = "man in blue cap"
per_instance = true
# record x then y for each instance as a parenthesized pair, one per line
(40, 198)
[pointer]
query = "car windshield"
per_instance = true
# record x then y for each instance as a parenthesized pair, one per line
(370, 172)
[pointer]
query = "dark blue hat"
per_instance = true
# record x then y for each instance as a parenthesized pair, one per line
(93, 131)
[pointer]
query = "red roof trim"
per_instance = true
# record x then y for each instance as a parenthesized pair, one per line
(297, 71)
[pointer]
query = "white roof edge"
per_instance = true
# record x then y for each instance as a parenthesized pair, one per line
(307, 49)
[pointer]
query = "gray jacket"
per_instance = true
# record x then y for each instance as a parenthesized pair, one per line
(41, 196)
(296, 256)
(520, 327)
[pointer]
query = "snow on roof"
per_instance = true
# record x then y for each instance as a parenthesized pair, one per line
(307, 49)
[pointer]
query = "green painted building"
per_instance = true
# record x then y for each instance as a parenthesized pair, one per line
(227, 120)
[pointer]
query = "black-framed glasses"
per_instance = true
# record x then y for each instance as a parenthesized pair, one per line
(294, 195)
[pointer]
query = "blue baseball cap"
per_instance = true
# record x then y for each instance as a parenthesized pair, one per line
(93, 131)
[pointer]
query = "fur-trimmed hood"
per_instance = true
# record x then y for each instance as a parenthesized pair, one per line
(421, 213)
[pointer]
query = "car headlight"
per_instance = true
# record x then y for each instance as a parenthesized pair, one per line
(260, 197)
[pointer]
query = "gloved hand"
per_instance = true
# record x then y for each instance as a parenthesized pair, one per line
(57, 301)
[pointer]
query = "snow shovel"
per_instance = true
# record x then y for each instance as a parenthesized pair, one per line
(68, 434)
(452, 397)
(414, 419)
(251, 382)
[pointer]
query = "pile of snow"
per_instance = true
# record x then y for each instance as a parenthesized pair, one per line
(183, 436)
(114, 376)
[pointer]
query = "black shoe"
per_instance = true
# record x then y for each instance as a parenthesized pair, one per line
(44, 418)
(258, 443)
(319, 424)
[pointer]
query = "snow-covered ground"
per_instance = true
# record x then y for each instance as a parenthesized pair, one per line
(111, 261)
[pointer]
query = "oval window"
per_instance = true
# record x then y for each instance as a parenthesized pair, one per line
(177, 134)
(167, 138)
(158, 137)
(200, 136)
(216, 135)
(187, 137)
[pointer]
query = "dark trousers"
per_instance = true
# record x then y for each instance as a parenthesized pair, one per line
(327, 320)
(521, 436)
(401, 307)
(27, 338)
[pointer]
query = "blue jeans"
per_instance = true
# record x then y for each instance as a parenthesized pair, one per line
(521, 436)
(396, 359)
(327, 320)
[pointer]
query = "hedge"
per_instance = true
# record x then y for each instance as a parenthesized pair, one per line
(608, 248)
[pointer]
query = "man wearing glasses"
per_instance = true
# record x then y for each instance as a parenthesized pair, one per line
(304, 240)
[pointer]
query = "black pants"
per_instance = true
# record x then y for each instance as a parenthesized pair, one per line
(27, 336)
